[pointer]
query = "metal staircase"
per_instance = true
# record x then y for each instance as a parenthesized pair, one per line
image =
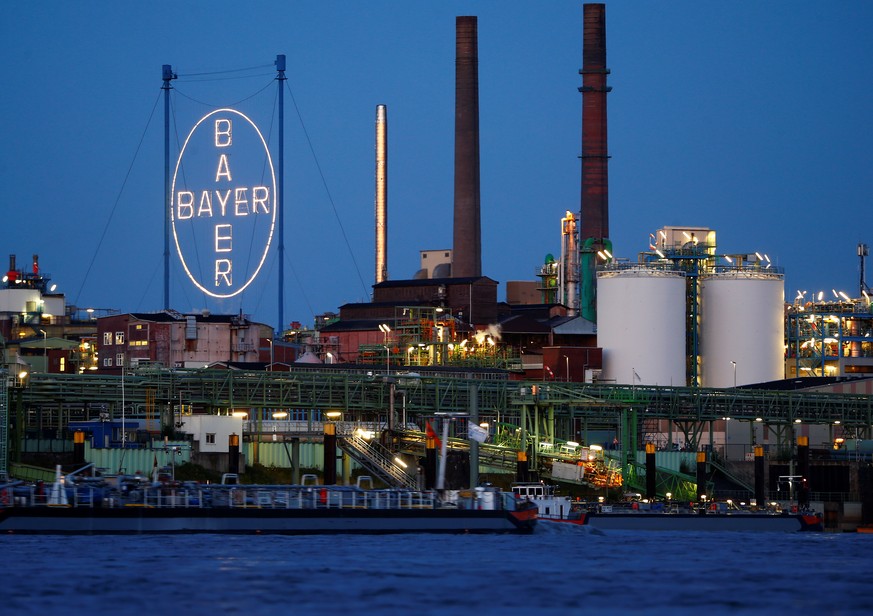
(377, 459)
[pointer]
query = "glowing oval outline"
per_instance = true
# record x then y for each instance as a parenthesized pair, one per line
(173, 215)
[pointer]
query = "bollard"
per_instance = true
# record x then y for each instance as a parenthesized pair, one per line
(651, 472)
(760, 489)
(430, 463)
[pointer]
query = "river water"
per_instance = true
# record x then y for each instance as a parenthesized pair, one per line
(559, 569)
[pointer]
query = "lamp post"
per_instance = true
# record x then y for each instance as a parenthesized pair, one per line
(45, 349)
(734, 364)
(270, 340)
(567, 360)
(383, 327)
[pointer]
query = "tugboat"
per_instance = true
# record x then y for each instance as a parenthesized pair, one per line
(635, 515)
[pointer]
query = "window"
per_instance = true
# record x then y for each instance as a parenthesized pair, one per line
(119, 359)
(107, 337)
(107, 362)
(119, 337)
(210, 439)
(63, 365)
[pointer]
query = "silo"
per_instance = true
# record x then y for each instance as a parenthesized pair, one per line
(742, 330)
(641, 326)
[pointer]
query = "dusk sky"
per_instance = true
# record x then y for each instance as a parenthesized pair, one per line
(754, 119)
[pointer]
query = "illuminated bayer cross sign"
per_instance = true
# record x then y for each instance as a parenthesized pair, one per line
(224, 203)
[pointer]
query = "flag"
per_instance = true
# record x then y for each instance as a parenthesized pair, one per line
(429, 432)
(477, 433)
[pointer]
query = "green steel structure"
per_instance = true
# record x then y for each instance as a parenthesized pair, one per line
(55, 399)
(529, 414)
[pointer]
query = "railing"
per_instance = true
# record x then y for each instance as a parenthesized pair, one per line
(219, 497)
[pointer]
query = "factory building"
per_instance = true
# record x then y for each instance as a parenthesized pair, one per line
(828, 337)
(174, 340)
(39, 332)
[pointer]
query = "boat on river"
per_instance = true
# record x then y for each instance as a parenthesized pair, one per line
(660, 516)
(137, 505)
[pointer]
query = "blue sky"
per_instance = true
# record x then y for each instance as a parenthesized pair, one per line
(751, 118)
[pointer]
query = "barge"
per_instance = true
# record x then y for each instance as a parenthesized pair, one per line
(255, 509)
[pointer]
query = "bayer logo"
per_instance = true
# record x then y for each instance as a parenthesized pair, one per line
(223, 208)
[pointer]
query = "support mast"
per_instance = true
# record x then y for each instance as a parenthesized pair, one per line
(280, 77)
(167, 75)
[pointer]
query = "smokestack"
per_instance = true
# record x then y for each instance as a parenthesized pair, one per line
(467, 245)
(594, 231)
(381, 193)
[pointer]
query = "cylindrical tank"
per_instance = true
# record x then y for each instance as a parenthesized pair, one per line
(742, 331)
(641, 326)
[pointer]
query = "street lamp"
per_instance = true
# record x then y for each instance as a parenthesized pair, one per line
(567, 359)
(383, 327)
(270, 340)
(734, 364)
(331, 358)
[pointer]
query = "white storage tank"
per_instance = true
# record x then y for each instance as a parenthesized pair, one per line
(641, 326)
(742, 329)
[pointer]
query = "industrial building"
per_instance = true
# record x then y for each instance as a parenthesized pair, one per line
(169, 339)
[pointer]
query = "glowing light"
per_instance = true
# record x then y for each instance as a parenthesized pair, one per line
(844, 296)
(820, 295)
(607, 253)
(365, 434)
(240, 414)
(660, 254)
(221, 209)
(758, 254)
(400, 462)
(728, 259)
(280, 414)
